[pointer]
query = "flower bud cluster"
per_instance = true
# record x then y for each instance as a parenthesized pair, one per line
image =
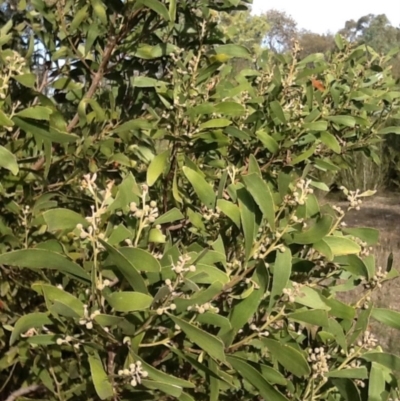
(369, 341)
(87, 320)
(14, 65)
(135, 373)
(203, 308)
(338, 210)
(300, 194)
(262, 250)
(181, 268)
(164, 309)
(353, 197)
(101, 285)
(29, 333)
(68, 340)
(262, 333)
(210, 214)
(319, 361)
(148, 213)
(365, 249)
(290, 294)
(376, 281)
(359, 383)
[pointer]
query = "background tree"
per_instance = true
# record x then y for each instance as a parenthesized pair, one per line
(282, 31)
(311, 42)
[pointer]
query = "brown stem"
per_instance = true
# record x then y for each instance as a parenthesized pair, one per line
(23, 391)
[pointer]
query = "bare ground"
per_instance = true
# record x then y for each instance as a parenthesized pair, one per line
(383, 213)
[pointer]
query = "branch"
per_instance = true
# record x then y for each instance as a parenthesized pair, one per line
(98, 76)
(23, 391)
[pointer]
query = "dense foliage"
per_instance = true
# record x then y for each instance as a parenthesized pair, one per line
(160, 235)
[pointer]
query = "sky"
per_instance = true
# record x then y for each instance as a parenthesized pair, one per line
(323, 16)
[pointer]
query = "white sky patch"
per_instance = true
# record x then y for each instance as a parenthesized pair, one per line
(330, 16)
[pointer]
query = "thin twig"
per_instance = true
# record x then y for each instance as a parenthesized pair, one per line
(23, 391)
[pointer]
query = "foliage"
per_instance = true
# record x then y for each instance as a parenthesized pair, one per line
(245, 29)
(160, 234)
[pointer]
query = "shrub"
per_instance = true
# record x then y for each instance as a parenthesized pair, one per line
(160, 234)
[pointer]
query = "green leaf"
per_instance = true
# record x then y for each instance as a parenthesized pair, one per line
(160, 376)
(108, 320)
(200, 297)
(100, 11)
(28, 80)
(203, 189)
(311, 298)
(207, 274)
(54, 294)
(316, 126)
(348, 390)
(267, 140)
(368, 235)
(63, 219)
(305, 155)
(277, 111)
(331, 142)
(101, 383)
(281, 274)
(231, 210)
(339, 41)
(156, 236)
(361, 325)
(255, 378)
(66, 83)
(8, 160)
(170, 389)
(315, 233)
(262, 195)
(29, 321)
(342, 246)
(43, 130)
(245, 309)
(157, 167)
(347, 121)
(36, 113)
(229, 108)
(129, 301)
(79, 17)
(383, 358)
(291, 359)
(215, 123)
(135, 124)
(389, 130)
(209, 343)
(158, 7)
(315, 317)
(388, 317)
(248, 222)
(214, 320)
(170, 216)
(340, 309)
(233, 51)
(4, 120)
(349, 373)
(148, 52)
(127, 269)
(376, 385)
(43, 259)
(354, 265)
(147, 82)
